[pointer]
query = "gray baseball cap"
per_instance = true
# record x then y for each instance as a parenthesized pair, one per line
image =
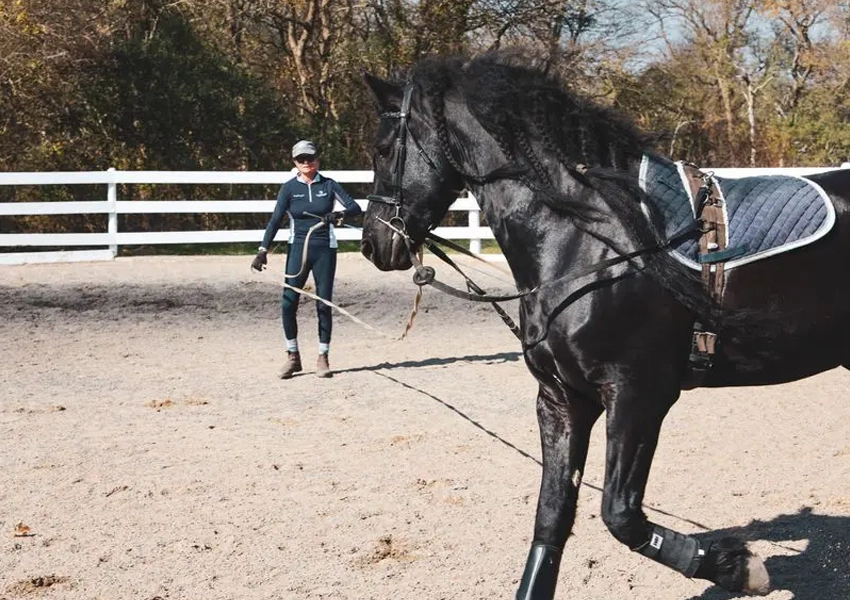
(304, 147)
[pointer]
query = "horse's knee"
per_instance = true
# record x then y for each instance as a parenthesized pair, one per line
(626, 523)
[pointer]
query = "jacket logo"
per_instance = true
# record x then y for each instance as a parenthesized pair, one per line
(321, 194)
(298, 195)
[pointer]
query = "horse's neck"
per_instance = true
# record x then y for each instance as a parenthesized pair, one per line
(533, 239)
(542, 243)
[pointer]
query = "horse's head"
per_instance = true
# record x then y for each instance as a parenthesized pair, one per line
(414, 182)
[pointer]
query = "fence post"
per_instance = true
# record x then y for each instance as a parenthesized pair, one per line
(474, 220)
(112, 222)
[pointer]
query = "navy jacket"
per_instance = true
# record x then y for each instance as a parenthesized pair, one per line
(296, 198)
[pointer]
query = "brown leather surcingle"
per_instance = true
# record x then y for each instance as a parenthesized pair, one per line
(710, 211)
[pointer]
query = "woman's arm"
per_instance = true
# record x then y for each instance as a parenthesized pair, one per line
(276, 219)
(352, 209)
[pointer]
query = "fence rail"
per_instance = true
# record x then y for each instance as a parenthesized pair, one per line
(111, 207)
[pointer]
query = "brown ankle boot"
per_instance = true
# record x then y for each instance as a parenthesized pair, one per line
(291, 366)
(323, 369)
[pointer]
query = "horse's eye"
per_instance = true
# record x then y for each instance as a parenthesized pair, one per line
(383, 150)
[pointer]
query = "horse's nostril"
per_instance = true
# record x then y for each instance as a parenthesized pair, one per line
(366, 249)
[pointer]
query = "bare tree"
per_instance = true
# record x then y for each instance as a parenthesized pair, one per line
(720, 34)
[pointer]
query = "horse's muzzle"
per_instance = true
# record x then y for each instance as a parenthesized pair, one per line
(388, 255)
(366, 249)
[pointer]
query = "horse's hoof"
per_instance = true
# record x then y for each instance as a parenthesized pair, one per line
(757, 582)
(730, 564)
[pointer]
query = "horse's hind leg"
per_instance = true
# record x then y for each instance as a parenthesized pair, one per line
(565, 425)
(632, 430)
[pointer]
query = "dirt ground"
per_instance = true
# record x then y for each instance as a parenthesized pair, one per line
(150, 452)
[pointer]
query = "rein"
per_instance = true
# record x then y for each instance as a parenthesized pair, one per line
(427, 275)
(471, 285)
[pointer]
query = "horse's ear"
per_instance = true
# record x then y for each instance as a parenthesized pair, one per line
(388, 95)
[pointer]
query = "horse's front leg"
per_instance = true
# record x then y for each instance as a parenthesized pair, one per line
(565, 422)
(633, 426)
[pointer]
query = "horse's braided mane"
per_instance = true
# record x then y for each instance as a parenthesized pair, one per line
(572, 126)
(519, 105)
(435, 87)
(436, 76)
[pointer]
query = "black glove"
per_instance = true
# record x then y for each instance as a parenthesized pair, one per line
(336, 218)
(259, 262)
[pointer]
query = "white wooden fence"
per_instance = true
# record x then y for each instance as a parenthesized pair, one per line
(111, 206)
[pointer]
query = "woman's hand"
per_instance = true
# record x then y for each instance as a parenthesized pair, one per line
(260, 261)
(336, 218)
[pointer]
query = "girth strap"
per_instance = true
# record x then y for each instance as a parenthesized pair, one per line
(710, 211)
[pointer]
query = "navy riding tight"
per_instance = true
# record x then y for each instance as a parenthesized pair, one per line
(321, 261)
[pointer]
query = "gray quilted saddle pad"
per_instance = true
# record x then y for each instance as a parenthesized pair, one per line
(765, 215)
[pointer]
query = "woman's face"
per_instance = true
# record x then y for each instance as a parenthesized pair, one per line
(307, 165)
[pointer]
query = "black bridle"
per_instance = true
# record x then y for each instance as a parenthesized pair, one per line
(400, 156)
(398, 163)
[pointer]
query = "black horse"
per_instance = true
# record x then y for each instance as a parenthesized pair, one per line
(608, 313)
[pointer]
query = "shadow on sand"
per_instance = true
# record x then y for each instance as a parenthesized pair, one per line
(820, 571)
(501, 357)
